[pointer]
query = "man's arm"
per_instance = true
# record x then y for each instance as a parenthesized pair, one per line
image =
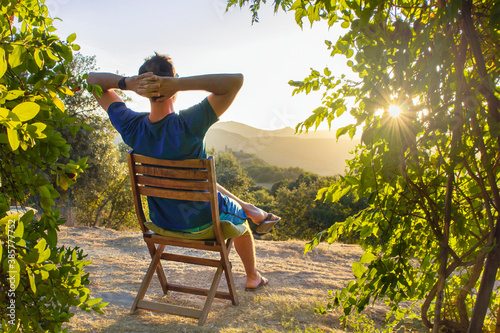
(108, 82)
(223, 88)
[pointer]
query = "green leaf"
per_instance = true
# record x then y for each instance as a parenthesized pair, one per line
(49, 267)
(71, 38)
(93, 301)
(16, 58)
(98, 310)
(65, 90)
(338, 194)
(31, 257)
(345, 24)
(13, 94)
(38, 58)
(365, 231)
(12, 267)
(358, 269)
(31, 278)
(40, 127)
(367, 258)
(44, 256)
(26, 111)
(59, 103)
(62, 180)
(4, 112)
(52, 237)
(3, 63)
(41, 245)
(60, 79)
(13, 139)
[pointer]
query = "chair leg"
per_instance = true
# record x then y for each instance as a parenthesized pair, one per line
(162, 277)
(155, 260)
(229, 275)
(211, 295)
(159, 269)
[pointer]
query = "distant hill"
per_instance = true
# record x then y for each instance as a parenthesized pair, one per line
(318, 152)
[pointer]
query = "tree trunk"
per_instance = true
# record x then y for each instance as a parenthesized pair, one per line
(493, 258)
(487, 283)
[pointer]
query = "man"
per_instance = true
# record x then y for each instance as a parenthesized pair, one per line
(162, 133)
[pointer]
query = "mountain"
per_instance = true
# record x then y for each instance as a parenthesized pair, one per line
(318, 152)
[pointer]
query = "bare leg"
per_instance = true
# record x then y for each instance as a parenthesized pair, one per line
(245, 247)
(256, 214)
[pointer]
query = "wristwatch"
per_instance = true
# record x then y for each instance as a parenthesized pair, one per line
(121, 84)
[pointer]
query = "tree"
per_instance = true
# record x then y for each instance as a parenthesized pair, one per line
(231, 175)
(39, 280)
(102, 196)
(431, 170)
(303, 214)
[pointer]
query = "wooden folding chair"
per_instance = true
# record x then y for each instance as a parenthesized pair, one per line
(192, 180)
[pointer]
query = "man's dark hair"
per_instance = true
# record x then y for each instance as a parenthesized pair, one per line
(160, 65)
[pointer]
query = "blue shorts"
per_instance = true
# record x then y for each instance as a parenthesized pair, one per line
(230, 210)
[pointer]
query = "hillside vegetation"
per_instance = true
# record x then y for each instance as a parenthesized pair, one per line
(317, 152)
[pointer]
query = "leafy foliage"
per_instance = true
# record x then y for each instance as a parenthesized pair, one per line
(102, 196)
(293, 198)
(39, 280)
(304, 214)
(431, 233)
(231, 175)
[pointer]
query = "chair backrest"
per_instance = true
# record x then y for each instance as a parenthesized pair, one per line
(190, 180)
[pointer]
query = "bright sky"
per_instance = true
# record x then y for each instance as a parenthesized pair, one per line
(202, 38)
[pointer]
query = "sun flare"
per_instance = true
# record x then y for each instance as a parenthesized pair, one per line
(394, 111)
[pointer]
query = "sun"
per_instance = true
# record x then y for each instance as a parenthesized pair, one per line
(394, 111)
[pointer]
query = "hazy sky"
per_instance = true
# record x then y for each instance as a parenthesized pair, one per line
(202, 39)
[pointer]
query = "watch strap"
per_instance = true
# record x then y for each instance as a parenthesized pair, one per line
(121, 84)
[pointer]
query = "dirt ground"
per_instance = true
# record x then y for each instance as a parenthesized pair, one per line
(298, 284)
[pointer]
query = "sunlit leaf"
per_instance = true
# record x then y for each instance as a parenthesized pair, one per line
(38, 58)
(31, 278)
(16, 57)
(71, 38)
(13, 136)
(367, 258)
(59, 103)
(26, 111)
(358, 269)
(3, 62)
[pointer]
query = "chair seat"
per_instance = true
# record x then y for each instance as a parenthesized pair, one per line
(229, 230)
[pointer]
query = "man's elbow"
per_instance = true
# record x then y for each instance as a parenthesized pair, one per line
(238, 81)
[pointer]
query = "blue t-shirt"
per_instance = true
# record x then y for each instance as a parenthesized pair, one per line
(175, 137)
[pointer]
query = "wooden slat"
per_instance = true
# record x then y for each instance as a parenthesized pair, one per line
(171, 173)
(171, 309)
(191, 163)
(190, 243)
(197, 291)
(199, 185)
(190, 259)
(173, 194)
